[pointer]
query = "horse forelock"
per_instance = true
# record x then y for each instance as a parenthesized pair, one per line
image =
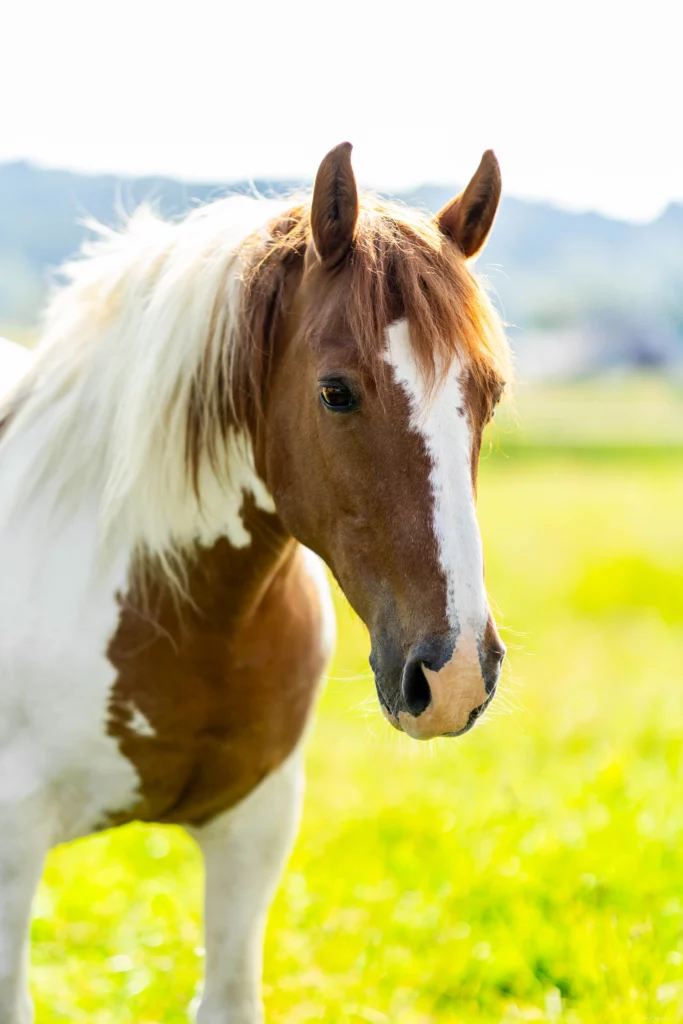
(400, 267)
(403, 268)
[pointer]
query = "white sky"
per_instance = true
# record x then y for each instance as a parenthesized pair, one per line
(582, 101)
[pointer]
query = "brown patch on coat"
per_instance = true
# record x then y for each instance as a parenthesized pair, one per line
(226, 681)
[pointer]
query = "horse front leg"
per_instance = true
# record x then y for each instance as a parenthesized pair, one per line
(244, 852)
(24, 842)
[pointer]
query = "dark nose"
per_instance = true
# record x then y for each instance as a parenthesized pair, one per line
(491, 659)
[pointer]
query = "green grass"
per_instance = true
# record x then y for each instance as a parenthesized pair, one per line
(530, 872)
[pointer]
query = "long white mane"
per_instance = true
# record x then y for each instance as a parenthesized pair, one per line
(15, 361)
(103, 411)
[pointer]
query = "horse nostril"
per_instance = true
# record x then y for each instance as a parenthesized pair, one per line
(416, 692)
(498, 654)
(492, 661)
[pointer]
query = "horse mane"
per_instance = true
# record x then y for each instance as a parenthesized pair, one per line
(103, 412)
(157, 348)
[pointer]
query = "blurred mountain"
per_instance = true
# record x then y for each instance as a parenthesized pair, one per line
(615, 288)
(549, 265)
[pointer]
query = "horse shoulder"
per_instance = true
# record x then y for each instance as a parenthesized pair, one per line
(208, 702)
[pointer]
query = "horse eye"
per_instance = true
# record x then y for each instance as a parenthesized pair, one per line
(337, 396)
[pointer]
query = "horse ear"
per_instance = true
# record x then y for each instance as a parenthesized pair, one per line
(467, 219)
(334, 210)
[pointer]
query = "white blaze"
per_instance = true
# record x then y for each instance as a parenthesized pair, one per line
(441, 420)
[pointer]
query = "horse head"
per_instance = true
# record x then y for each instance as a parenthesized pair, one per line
(385, 364)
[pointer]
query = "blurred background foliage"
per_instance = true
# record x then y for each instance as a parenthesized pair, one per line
(530, 872)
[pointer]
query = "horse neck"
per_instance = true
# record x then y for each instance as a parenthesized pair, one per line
(222, 584)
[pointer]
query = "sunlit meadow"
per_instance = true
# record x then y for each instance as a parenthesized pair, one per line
(530, 872)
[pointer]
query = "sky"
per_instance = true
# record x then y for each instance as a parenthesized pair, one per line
(582, 101)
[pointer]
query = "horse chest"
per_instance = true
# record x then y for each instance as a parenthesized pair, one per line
(204, 709)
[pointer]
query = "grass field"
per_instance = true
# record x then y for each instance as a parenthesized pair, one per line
(532, 871)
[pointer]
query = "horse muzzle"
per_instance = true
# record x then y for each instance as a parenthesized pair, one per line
(444, 686)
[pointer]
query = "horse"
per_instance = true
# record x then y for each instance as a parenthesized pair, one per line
(14, 361)
(220, 406)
